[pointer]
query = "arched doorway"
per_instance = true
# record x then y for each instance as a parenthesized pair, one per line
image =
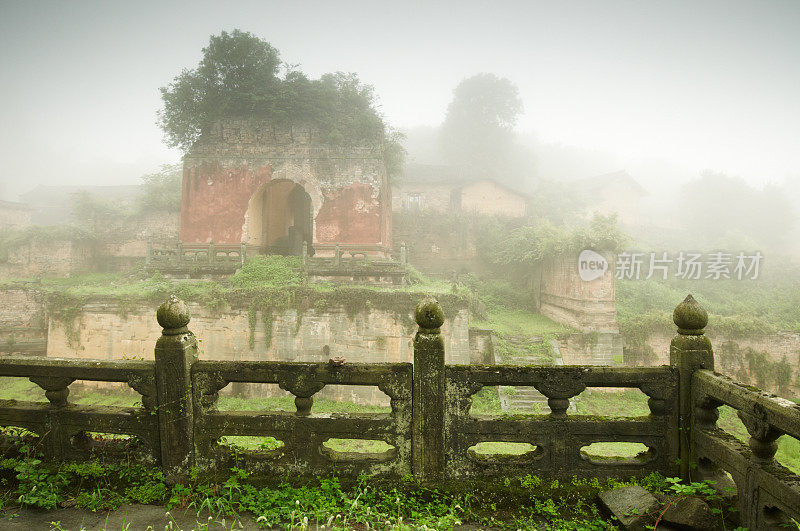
(280, 218)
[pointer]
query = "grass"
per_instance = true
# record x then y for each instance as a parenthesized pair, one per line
(788, 453)
(520, 322)
(743, 307)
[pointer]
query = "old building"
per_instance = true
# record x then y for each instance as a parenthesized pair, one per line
(14, 215)
(610, 193)
(273, 188)
(455, 189)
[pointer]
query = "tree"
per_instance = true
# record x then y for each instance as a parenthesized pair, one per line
(95, 213)
(726, 212)
(161, 191)
(478, 127)
(241, 75)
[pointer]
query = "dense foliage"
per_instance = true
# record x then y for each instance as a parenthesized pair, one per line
(726, 212)
(241, 75)
(527, 246)
(161, 191)
(478, 128)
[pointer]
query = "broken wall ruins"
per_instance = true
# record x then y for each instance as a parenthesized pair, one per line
(240, 169)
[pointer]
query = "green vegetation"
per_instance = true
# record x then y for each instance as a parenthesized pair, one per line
(738, 309)
(512, 503)
(161, 191)
(241, 75)
(788, 453)
(478, 129)
(524, 248)
(520, 322)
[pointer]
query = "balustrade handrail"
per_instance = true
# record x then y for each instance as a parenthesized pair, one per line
(780, 413)
(430, 427)
(78, 369)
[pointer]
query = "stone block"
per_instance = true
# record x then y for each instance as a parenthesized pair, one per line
(633, 506)
(690, 513)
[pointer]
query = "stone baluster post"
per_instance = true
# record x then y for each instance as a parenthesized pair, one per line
(55, 440)
(337, 255)
(243, 253)
(428, 393)
(179, 250)
(689, 351)
(149, 259)
(403, 254)
(211, 256)
(305, 251)
(176, 352)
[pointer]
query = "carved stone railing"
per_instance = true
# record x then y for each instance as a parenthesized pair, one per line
(301, 432)
(430, 428)
(362, 263)
(196, 258)
(558, 437)
(768, 493)
(61, 426)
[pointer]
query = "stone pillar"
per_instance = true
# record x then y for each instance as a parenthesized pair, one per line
(176, 351)
(243, 253)
(403, 254)
(428, 393)
(305, 252)
(55, 439)
(337, 255)
(149, 258)
(689, 351)
(211, 257)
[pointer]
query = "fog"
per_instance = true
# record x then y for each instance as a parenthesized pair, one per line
(663, 90)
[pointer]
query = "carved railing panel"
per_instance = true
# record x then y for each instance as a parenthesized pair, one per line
(768, 493)
(62, 425)
(558, 436)
(302, 432)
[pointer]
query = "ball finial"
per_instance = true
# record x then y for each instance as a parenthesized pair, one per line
(429, 314)
(173, 314)
(689, 315)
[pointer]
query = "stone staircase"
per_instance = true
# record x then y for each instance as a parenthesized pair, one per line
(525, 351)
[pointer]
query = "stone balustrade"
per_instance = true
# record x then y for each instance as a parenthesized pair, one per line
(430, 430)
(195, 258)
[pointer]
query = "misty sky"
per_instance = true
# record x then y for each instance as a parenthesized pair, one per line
(702, 85)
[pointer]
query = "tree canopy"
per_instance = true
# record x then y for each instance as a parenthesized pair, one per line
(241, 75)
(161, 191)
(730, 214)
(478, 127)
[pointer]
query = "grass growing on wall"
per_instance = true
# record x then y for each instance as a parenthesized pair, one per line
(519, 322)
(737, 308)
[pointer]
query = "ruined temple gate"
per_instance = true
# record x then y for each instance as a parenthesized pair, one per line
(272, 188)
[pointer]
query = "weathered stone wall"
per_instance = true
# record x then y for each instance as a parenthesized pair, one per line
(783, 345)
(21, 307)
(434, 249)
(433, 196)
(566, 298)
(14, 215)
(23, 324)
(491, 199)
(57, 258)
(481, 346)
(129, 240)
(373, 336)
(227, 171)
(592, 348)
